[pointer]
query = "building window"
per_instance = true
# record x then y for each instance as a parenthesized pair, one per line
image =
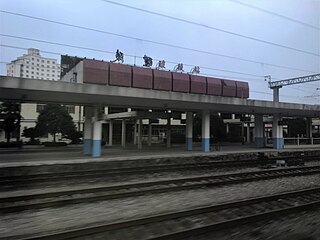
(48, 61)
(70, 108)
(32, 72)
(37, 60)
(27, 66)
(27, 75)
(42, 61)
(42, 65)
(32, 63)
(40, 107)
(32, 58)
(32, 76)
(27, 71)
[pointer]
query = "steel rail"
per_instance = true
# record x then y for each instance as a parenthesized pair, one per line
(67, 175)
(196, 221)
(62, 198)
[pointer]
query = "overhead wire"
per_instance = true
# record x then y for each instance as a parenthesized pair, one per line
(211, 27)
(299, 89)
(23, 48)
(213, 75)
(129, 55)
(55, 43)
(155, 42)
(206, 74)
(110, 52)
(285, 96)
(276, 14)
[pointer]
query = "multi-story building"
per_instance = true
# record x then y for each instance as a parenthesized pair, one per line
(33, 65)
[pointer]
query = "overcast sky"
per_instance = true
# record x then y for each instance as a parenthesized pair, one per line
(234, 39)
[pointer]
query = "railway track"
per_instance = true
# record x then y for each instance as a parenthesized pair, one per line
(194, 222)
(126, 170)
(62, 198)
(27, 179)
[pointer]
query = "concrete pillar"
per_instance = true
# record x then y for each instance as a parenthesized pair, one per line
(259, 131)
(135, 133)
(309, 128)
(277, 135)
(96, 135)
(189, 130)
(96, 143)
(227, 128)
(149, 133)
(169, 132)
(140, 134)
(276, 95)
(123, 133)
(242, 131)
(87, 131)
(248, 132)
(205, 131)
(110, 132)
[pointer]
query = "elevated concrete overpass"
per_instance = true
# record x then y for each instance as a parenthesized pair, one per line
(93, 96)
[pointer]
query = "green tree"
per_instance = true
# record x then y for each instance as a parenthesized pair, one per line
(10, 115)
(31, 133)
(54, 119)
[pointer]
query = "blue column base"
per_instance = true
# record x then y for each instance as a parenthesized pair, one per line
(96, 148)
(87, 144)
(259, 142)
(189, 144)
(205, 144)
(278, 143)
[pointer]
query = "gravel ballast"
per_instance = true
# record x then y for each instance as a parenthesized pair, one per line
(86, 214)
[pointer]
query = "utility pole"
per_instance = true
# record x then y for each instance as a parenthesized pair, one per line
(276, 85)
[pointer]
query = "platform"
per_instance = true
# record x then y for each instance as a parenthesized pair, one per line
(40, 155)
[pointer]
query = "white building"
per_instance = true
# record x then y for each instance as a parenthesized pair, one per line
(33, 65)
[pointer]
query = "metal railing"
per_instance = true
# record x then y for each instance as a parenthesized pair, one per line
(301, 141)
(296, 141)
